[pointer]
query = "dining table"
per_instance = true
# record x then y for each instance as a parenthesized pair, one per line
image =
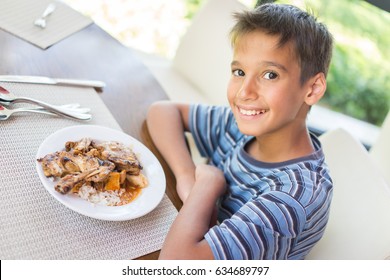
(90, 54)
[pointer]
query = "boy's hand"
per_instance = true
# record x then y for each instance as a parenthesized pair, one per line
(195, 217)
(212, 179)
(213, 182)
(184, 185)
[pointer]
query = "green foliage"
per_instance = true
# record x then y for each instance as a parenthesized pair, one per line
(358, 80)
(357, 18)
(357, 88)
(359, 74)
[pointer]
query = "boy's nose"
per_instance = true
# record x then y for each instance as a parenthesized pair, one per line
(249, 89)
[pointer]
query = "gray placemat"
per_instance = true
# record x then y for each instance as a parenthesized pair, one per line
(33, 225)
(17, 17)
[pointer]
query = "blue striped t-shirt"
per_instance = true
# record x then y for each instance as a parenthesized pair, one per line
(270, 210)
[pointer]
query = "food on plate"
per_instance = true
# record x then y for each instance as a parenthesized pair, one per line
(106, 173)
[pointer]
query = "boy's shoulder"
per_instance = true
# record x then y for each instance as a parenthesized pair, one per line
(214, 117)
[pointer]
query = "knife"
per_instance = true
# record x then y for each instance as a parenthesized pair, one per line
(51, 81)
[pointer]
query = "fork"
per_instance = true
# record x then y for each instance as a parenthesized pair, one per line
(7, 98)
(5, 113)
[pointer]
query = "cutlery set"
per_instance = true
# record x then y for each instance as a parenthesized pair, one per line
(41, 21)
(72, 111)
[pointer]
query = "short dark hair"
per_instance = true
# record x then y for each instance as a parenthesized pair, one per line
(311, 39)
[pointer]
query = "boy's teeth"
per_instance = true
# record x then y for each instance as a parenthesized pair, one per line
(251, 112)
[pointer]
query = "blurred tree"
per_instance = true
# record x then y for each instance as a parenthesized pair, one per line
(261, 2)
(358, 79)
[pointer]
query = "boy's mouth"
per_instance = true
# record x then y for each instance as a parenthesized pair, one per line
(251, 112)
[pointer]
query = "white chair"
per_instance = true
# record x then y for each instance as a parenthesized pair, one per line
(200, 70)
(359, 222)
(380, 150)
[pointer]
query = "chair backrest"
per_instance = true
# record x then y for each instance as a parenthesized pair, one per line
(204, 53)
(359, 222)
(380, 150)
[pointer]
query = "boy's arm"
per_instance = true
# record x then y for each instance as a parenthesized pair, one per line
(185, 239)
(167, 123)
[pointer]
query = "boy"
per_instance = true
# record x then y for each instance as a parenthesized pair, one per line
(267, 178)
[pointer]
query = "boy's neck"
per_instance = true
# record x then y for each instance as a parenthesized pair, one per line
(272, 148)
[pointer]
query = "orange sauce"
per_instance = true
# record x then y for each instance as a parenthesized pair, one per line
(129, 195)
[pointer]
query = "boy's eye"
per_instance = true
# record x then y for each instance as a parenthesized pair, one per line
(238, 72)
(270, 75)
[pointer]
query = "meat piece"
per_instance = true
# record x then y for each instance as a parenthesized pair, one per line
(52, 165)
(122, 156)
(97, 174)
(68, 182)
(100, 174)
(62, 163)
(68, 163)
(79, 147)
(83, 162)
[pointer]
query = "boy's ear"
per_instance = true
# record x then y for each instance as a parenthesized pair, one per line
(316, 89)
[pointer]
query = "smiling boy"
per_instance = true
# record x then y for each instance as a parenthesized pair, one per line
(267, 177)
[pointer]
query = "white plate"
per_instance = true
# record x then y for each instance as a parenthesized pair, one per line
(150, 196)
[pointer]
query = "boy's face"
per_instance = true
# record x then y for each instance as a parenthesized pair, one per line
(264, 91)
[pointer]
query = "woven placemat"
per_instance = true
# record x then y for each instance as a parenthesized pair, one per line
(33, 225)
(17, 17)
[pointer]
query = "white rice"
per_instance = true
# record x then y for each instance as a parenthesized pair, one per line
(108, 198)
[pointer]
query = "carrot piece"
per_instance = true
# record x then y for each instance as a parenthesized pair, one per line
(113, 182)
